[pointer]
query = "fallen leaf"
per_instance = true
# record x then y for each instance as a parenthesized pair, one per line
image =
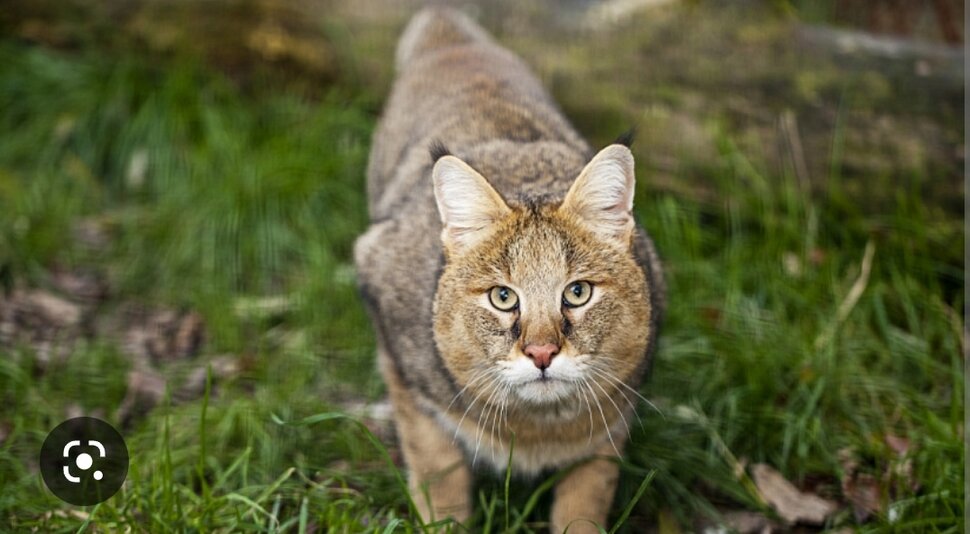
(145, 389)
(747, 522)
(163, 335)
(189, 334)
(899, 445)
(792, 505)
(82, 286)
(862, 491)
(223, 367)
(44, 321)
(54, 310)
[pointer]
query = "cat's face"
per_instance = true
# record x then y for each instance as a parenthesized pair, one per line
(540, 306)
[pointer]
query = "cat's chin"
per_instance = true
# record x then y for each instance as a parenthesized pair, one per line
(545, 391)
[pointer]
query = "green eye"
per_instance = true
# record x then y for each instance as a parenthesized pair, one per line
(503, 298)
(577, 294)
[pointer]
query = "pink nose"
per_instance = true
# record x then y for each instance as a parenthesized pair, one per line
(541, 355)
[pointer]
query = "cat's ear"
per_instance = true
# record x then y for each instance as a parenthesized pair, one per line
(468, 205)
(602, 195)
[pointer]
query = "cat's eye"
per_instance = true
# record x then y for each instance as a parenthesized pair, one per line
(503, 298)
(577, 294)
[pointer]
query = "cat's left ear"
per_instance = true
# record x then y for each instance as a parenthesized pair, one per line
(467, 203)
(602, 195)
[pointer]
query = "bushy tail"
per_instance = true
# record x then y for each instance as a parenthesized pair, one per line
(434, 28)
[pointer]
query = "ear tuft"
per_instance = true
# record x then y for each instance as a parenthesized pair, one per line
(438, 150)
(626, 138)
(602, 195)
(467, 204)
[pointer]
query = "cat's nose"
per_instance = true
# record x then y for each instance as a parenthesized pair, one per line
(541, 355)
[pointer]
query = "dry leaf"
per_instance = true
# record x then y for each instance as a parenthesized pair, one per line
(223, 367)
(899, 445)
(145, 389)
(161, 336)
(792, 505)
(862, 491)
(50, 308)
(747, 522)
(46, 322)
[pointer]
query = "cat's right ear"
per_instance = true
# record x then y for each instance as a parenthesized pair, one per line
(468, 205)
(602, 195)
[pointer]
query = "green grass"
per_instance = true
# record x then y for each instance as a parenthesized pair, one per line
(258, 191)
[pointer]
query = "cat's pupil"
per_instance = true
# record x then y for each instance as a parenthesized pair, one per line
(577, 290)
(503, 294)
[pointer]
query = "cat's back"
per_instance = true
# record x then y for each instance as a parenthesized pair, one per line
(457, 86)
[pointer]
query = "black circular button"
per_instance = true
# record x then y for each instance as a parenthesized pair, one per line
(84, 461)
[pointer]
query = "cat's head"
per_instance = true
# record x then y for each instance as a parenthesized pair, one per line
(544, 304)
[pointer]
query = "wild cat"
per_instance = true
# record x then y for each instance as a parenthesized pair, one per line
(512, 293)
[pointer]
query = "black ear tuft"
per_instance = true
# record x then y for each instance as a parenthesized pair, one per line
(438, 150)
(626, 138)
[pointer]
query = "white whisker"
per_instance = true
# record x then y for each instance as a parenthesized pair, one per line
(613, 381)
(476, 376)
(606, 425)
(484, 414)
(627, 386)
(617, 408)
(470, 405)
(589, 410)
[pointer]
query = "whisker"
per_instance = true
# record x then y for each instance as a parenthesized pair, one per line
(470, 405)
(481, 429)
(476, 376)
(606, 426)
(495, 420)
(612, 380)
(589, 410)
(617, 408)
(627, 386)
(509, 401)
(490, 420)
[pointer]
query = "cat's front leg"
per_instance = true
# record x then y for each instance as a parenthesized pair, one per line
(584, 496)
(439, 479)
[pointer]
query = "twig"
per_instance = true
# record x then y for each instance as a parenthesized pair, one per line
(851, 299)
(789, 123)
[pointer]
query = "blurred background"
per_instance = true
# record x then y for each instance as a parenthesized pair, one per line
(181, 183)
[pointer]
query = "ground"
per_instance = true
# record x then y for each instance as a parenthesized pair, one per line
(181, 184)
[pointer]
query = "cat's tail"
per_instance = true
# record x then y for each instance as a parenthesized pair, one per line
(434, 28)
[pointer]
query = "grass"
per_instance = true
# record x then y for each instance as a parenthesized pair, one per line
(779, 346)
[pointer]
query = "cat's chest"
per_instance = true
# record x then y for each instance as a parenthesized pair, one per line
(537, 442)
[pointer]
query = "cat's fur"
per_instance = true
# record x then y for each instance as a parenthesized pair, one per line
(515, 198)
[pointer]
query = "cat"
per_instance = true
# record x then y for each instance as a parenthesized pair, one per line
(512, 294)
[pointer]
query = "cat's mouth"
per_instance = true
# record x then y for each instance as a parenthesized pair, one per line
(552, 384)
(545, 389)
